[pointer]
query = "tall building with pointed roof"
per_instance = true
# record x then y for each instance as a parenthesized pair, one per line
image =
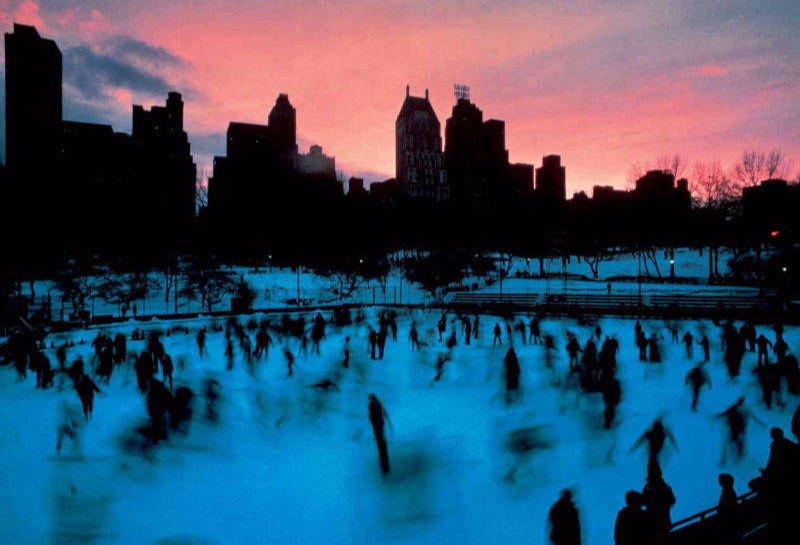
(420, 168)
(33, 102)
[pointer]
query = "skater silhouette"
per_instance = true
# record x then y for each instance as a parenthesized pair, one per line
(378, 417)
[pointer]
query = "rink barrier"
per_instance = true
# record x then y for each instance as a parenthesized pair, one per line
(704, 527)
(722, 306)
(576, 304)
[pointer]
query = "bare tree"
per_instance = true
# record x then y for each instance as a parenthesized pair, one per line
(710, 186)
(674, 164)
(170, 267)
(76, 288)
(635, 171)
(756, 165)
(344, 282)
(125, 288)
(201, 192)
(210, 284)
(593, 254)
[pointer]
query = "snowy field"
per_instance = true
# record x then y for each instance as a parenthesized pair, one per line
(276, 287)
(291, 464)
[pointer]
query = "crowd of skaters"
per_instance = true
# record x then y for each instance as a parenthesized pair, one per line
(592, 370)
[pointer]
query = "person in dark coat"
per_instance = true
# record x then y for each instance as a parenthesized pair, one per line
(631, 524)
(572, 349)
(287, 354)
(535, 331)
(377, 417)
(159, 402)
(736, 417)
(497, 339)
(201, 341)
(658, 499)
(166, 369)
(44, 372)
(229, 352)
(655, 436)
(763, 350)
(706, 347)
(697, 378)
(655, 351)
(564, 522)
(727, 511)
(86, 389)
(120, 348)
(263, 340)
(382, 341)
(641, 343)
(144, 370)
(688, 340)
(612, 395)
(512, 372)
(522, 331)
(373, 342)
(414, 336)
(589, 360)
(734, 352)
(782, 466)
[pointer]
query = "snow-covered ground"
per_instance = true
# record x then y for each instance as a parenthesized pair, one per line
(291, 464)
(279, 287)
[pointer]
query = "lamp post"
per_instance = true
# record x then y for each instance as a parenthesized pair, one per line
(361, 271)
(639, 277)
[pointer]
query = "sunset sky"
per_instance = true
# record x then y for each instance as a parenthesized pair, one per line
(603, 84)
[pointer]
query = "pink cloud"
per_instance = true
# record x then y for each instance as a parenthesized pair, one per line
(26, 13)
(710, 70)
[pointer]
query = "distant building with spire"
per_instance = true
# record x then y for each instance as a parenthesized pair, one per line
(262, 168)
(419, 161)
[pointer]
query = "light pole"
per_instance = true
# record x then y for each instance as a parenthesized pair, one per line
(361, 271)
(639, 277)
(672, 267)
(547, 278)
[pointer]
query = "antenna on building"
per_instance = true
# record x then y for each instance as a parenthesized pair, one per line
(408, 90)
(461, 91)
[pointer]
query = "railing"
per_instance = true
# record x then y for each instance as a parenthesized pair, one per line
(702, 515)
(722, 305)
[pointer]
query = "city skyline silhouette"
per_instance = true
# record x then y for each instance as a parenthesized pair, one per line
(597, 88)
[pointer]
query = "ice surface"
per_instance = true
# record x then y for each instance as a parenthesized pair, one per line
(287, 463)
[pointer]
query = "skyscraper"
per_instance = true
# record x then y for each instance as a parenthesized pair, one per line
(551, 179)
(263, 170)
(282, 122)
(33, 104)
(419, 160)
(165, 172)
(476, 155)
